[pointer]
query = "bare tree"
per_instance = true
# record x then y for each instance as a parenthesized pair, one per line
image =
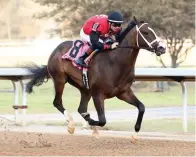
(173, 19)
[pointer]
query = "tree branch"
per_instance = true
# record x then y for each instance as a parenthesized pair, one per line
(161, 61)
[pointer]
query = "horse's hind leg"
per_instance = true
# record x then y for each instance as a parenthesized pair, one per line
(59, 83)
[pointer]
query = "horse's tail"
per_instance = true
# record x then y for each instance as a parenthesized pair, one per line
(39, 76)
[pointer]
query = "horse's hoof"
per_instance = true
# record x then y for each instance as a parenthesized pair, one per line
(70, 127)
(96, 135)
(95, 132)
(85, 126)
(134, 139)
(71, 130)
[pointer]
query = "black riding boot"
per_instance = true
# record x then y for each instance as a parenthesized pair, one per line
(80, 60)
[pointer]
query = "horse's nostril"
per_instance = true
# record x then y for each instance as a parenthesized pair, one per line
(161, 47)
(162, 50)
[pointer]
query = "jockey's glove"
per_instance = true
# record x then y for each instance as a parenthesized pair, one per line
(114, 45)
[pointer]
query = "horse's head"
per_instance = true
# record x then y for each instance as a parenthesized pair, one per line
(146, 38)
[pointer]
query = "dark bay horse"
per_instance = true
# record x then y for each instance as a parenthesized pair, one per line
(111, 74)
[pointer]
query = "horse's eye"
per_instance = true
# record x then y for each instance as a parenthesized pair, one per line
(145, 33)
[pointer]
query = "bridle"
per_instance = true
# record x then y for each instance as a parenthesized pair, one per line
(150, 47)
(139, 33)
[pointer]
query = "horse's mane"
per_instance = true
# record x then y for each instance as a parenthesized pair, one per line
(122, 35)
(130, 25)
(141, 21)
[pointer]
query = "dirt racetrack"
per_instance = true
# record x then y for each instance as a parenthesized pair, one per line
(42, 144)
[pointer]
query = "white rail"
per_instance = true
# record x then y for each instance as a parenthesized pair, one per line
(180, 75)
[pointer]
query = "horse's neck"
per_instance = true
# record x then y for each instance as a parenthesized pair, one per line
(126, 56)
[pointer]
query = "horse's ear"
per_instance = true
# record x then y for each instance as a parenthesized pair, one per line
(135, 19)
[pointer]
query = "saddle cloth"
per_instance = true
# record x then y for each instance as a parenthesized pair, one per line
(77, 49)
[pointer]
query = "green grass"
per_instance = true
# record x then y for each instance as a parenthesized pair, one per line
(41, 100)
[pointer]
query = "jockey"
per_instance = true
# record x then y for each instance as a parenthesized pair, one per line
(97, 30)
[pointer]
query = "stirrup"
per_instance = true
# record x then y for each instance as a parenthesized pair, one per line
(84, 65)
(81, 63)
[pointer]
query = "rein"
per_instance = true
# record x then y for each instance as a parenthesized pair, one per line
(135, 47)
(129, 47)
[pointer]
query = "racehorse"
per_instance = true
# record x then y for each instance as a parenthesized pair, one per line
(110, 74)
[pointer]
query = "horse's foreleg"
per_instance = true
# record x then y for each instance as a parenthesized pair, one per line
(85, 97)
(82, 109)
(99, 105)
(100, 111)
(130, 98)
